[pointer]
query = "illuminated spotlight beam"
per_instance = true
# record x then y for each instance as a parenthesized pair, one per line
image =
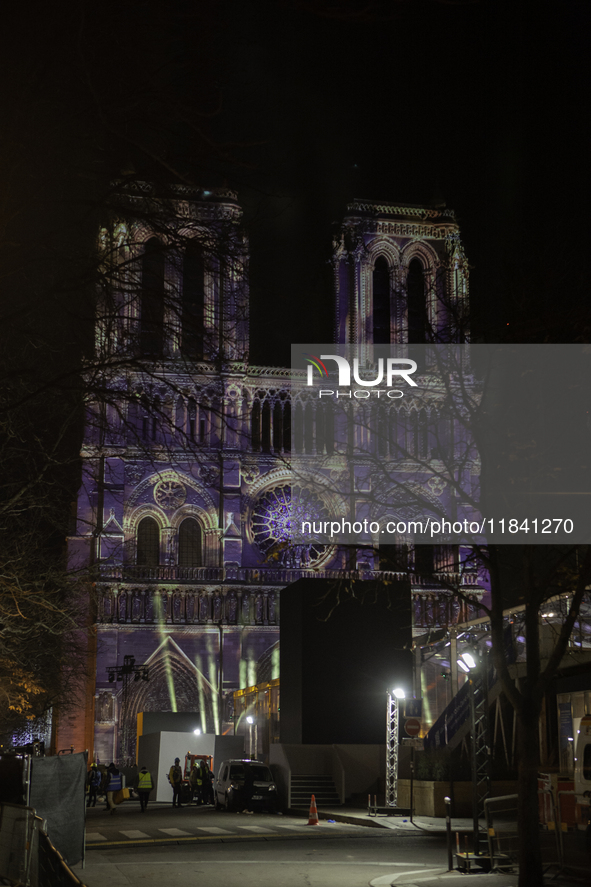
(243, 674)
(213, 665)
(165, 653)
(201, 692)
(252, 671)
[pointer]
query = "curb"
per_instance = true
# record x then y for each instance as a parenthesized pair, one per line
(338, 817)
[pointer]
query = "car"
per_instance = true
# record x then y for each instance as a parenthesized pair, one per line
(243, 784)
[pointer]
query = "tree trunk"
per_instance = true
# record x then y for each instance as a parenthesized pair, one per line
(528, 829)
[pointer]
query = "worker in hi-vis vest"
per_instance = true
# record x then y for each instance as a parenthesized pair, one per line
(144, 787)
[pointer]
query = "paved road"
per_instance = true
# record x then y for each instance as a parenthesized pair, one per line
(198, 846)
(347, 856)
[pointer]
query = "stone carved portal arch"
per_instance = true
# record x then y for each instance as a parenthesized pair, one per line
(170, 669)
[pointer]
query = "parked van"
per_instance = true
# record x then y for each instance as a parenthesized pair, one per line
(245, 785)
(583, 768)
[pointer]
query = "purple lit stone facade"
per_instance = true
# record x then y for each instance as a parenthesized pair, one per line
(185, 460)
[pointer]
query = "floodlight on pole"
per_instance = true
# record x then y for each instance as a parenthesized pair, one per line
(399, 693)
(469, 659)
(197, 731)
(252, 736)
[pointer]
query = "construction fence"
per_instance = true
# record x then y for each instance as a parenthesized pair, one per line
(564, 846)
(27, 856)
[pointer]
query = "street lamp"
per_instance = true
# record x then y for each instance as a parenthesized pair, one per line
(392, 736)
(252, 736)
(472, 664)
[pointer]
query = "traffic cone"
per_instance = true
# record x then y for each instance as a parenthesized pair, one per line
(313, 818)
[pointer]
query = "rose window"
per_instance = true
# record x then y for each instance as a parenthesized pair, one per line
(272, 519)
(170, 494)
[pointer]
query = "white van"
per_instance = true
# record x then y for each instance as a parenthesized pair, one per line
(243, 784)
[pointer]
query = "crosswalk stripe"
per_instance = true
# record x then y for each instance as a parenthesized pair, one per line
(256, 828)
(214, 830)
(174, 832)
(134, 833)
(95, 836)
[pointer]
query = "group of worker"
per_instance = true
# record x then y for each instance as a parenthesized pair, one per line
(111, 781)
(200, 783)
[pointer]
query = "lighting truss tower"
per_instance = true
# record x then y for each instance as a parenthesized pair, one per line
(125, 673)
(480, 746)
(392, 752)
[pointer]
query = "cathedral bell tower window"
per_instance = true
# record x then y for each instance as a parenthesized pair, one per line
(193, 301)
(152, 300)
(417, 304)
(381, 302)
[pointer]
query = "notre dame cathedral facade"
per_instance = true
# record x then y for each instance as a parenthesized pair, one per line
(186, 474)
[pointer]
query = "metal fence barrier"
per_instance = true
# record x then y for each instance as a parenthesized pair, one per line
(501, 827)
(503, 835)
(17, 826)
(27, 856)
(575, 843)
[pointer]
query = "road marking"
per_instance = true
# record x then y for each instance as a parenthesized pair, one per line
(257, 828)
(95, 836)
(174, 832)
(214, 830)
(134, 833)
(424, 871)
(286, 825)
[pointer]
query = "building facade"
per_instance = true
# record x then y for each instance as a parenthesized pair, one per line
(184, 507)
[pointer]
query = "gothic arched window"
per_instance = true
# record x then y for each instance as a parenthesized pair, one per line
(255, 426)
(329, 429)
(422, 442)
(148, 543)
(320, 429)
(381, 302)
(193, 302)
(155, 418)
(152, 299)
(417, 306)
(190, 543)
(309, 428)
(191, 419)
(299, 428)
(423, 559)
(287, 427)
(145, 417)
(277, 427)
(266, 428)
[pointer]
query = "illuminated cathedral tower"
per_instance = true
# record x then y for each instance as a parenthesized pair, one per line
(184, 508)
(182, 447)
(401, 276)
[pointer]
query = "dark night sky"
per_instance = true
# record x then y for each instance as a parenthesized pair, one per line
(482, 104)
(478, 103)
